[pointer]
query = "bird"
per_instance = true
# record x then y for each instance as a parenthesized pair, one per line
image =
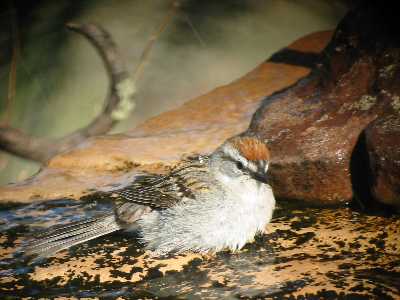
(204, 204)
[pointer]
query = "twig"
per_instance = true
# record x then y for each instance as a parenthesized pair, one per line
(146, 52)
(195, 31)
(118, 105)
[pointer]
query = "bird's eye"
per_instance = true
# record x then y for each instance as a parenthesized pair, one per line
(239, 165)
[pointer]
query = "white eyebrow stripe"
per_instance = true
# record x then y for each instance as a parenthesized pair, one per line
(252, 166)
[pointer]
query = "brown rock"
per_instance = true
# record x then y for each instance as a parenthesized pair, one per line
(383, 144)
(313, 127)
(199, 126)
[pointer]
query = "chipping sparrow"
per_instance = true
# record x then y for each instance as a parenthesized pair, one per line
(204, 204)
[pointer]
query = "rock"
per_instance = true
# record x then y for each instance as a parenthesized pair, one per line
(309, 254)
(383, 144)
(199, 126)
(313, 127)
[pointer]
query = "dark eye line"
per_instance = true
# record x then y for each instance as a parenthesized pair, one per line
(238, 164)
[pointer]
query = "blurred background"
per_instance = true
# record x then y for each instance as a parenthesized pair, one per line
(52, 81)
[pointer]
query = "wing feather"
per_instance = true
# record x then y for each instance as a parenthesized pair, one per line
(163, 191)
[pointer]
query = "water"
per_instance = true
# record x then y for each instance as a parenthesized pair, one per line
(310, 252)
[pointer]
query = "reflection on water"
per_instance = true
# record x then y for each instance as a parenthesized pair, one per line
(46, 214)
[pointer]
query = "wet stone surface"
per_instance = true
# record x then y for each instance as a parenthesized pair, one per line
(304, 254)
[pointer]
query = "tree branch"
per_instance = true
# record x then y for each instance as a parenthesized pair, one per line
(150, 43)
(118, 104)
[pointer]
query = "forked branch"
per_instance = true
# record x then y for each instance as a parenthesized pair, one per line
(117, 105)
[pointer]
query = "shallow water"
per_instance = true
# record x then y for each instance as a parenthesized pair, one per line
(306, 253)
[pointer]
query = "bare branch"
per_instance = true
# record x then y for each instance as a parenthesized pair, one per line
(118, 104)
(16, 142)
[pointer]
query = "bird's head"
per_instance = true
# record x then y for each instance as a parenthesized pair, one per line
(242, 157)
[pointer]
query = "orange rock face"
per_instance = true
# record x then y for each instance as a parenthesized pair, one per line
(197, 127)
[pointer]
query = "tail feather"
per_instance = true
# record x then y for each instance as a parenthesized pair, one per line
(69, 230)
(72, 234)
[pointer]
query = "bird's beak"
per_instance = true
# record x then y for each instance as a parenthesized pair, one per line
(262, 177)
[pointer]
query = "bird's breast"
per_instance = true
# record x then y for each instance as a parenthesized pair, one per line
(226, 219)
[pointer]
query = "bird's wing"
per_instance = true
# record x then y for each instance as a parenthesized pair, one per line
(163, 191)
(149, 190)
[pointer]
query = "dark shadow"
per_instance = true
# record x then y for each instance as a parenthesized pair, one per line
(362, 181)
